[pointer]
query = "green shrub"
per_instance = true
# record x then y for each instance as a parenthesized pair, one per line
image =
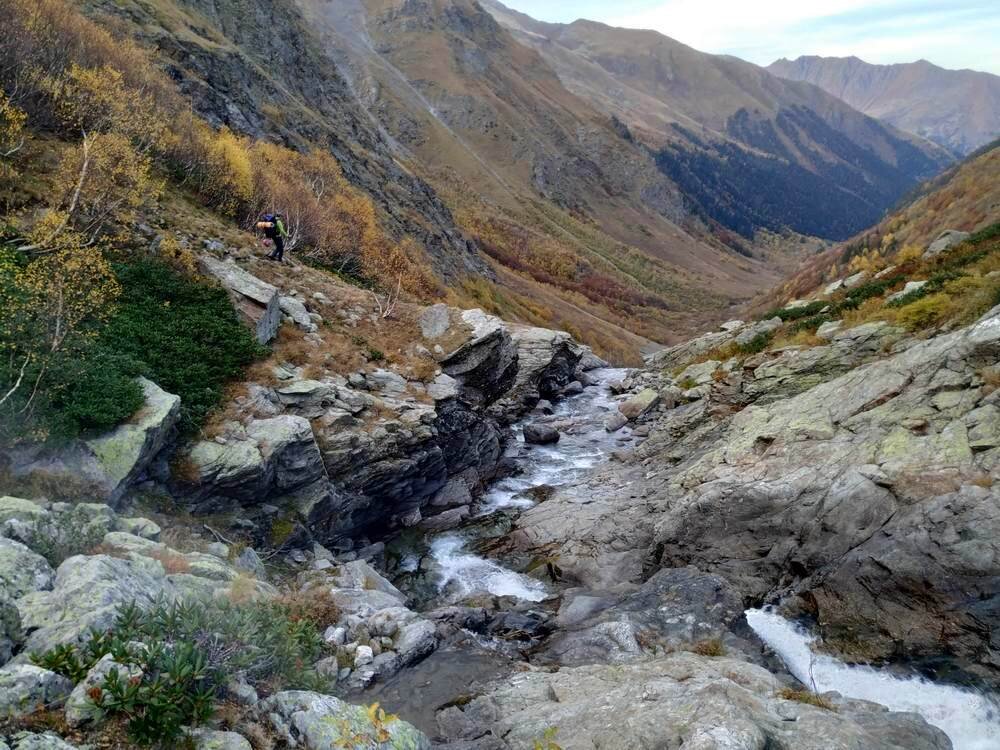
(809, 324)
(174, 691)
(796, 313)
(757, 344)
(189, 652)
(181, 334)
(853, 299)
(986, 233)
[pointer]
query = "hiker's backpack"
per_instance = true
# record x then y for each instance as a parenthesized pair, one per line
(267, 224)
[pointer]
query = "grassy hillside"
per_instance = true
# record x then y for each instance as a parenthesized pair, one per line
(965, 198)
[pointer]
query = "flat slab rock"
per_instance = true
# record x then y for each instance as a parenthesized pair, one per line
(681, 700)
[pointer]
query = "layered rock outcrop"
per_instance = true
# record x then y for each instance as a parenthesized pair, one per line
(105, 466)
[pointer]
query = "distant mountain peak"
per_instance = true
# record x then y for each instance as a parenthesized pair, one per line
(958, 109)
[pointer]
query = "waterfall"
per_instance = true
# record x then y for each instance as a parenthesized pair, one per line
(971, 720)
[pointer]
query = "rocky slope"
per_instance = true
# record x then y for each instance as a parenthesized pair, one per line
(259, 70)
(852, 483)
(958, 109)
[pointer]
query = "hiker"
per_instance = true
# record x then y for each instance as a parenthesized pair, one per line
(274, 230)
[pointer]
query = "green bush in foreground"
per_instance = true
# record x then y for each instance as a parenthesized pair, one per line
(188, 652)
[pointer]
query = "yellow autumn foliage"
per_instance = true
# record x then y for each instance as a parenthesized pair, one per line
(99, 100)
(12, 122)
(103, 182)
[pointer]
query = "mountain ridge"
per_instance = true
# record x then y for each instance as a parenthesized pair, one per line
(700, 113)
(958, 109)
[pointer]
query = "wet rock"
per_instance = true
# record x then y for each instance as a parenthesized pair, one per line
(674, 609)
(448, 519)
(540, 434)
(615, 421)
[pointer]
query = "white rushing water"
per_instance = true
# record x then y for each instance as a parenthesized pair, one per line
(580, 448)
(970, 719)
(583, 445)
(468, 573)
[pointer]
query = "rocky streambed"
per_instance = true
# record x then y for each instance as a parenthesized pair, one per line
(530, 648)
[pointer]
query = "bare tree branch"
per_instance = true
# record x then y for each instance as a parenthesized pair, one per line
(17, 383)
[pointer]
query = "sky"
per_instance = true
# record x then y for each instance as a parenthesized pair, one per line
(949, 33)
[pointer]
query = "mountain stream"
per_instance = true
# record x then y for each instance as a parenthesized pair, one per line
(970, 719)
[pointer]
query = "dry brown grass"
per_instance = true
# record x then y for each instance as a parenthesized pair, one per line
(709, 647)
(313, 605)
(806, 696)
(171, 561)
(108, 549)
(983, 480)
(183, 469)
(991, 379)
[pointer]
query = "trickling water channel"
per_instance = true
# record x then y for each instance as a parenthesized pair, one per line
(971, 720)
(584, 443)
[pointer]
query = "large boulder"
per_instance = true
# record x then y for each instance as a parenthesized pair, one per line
(546, 364)
(864, 494)
(24, 688)
(681, 700)
(86, 595)
(540, 434)
(257, 302)
(11, 632)
(268, 458)
(486, 365)
(640, 404)
(947, 239)
(107, 465)
(675, 609)
(22, 571)
(321, 722)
